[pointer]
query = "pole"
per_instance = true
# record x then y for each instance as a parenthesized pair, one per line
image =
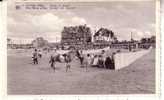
(131, 37)
(130, 42)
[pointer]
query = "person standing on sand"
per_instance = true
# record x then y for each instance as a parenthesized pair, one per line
(113, 61)
(81, 58)
(40, 54)
(103, 54)
(52, 62)
(108, 62)
(68, 61)
(95, 61)
(100, 61)
(35, 57)
(87, 61)
(92, 57)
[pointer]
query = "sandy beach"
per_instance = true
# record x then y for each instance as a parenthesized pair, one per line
(26, 78)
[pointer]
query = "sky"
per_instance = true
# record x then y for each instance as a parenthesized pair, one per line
(122, 17)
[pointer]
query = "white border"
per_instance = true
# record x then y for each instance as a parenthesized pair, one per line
(3, 64)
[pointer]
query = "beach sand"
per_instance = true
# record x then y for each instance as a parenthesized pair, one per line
(26, 78)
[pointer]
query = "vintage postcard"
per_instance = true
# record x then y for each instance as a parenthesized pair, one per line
(97, 48)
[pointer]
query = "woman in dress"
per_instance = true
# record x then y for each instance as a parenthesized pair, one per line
(95, 61)
(108, 62)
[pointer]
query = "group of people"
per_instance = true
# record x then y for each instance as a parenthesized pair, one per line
(101, 60)
(64, 58)
(54, 57)
(36, 54)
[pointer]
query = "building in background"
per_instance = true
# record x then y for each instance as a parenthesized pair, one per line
(16, 43)
(104, 35)
(76, 36)
(103, 38)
